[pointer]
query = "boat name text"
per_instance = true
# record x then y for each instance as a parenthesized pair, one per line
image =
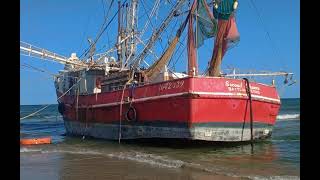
(240, 87)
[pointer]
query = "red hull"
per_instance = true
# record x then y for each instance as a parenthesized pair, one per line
(203, 108)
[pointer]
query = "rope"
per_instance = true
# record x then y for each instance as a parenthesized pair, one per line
(244, 121)
(25, 65)
(35, 112)
(251, 114)
(77, 110)
(47, 77)
(50, 104)
(120, 115)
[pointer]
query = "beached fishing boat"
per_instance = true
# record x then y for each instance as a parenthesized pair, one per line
(116, 98)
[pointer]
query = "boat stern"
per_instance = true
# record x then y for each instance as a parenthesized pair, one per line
(220, 109)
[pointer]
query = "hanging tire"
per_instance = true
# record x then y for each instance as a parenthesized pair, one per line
(131, 114)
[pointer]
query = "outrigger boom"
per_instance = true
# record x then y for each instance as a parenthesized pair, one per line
(33, 51)
(258, 74)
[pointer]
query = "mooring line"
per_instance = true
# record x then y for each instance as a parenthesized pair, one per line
(32, 114)
(121, 103)
(251, 113)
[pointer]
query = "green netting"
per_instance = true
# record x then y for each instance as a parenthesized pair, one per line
(206, 26)
(224, 10)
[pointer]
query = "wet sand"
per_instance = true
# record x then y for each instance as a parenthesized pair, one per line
(50, 166)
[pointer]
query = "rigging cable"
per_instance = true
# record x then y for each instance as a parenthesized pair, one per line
(275, 51)
(102, 30)
(169, 36)
(104, 22)
(184, 48)
(149, 20)
(106, 16)
(40, 70)
(104, 10)
(37, 69)
(151, 15)
(84, 33)
(174, 64)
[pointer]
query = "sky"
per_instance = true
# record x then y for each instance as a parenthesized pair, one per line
(269, 39)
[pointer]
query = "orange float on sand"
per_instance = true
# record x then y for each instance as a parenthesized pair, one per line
(32, 141)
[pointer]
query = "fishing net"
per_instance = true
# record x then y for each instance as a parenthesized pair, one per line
(223, 11)
(220, 25)
(227, 33)
(206, 24)
(233, 36)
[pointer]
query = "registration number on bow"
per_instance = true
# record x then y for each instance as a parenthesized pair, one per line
(171, 85)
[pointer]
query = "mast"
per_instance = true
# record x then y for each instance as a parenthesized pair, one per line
(192, 50)
(195, 69)
(127, 25)
(131, 26)
(119, 34)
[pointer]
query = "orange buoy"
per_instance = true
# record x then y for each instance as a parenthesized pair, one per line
(32, 141)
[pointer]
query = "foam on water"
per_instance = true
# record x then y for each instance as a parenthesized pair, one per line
(274, 178)
(288, 116)
(26, 150)
(86, 152)
(52, 116)
(285, 140)
(154, 160)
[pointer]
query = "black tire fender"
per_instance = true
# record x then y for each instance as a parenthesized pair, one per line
(131, 114)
